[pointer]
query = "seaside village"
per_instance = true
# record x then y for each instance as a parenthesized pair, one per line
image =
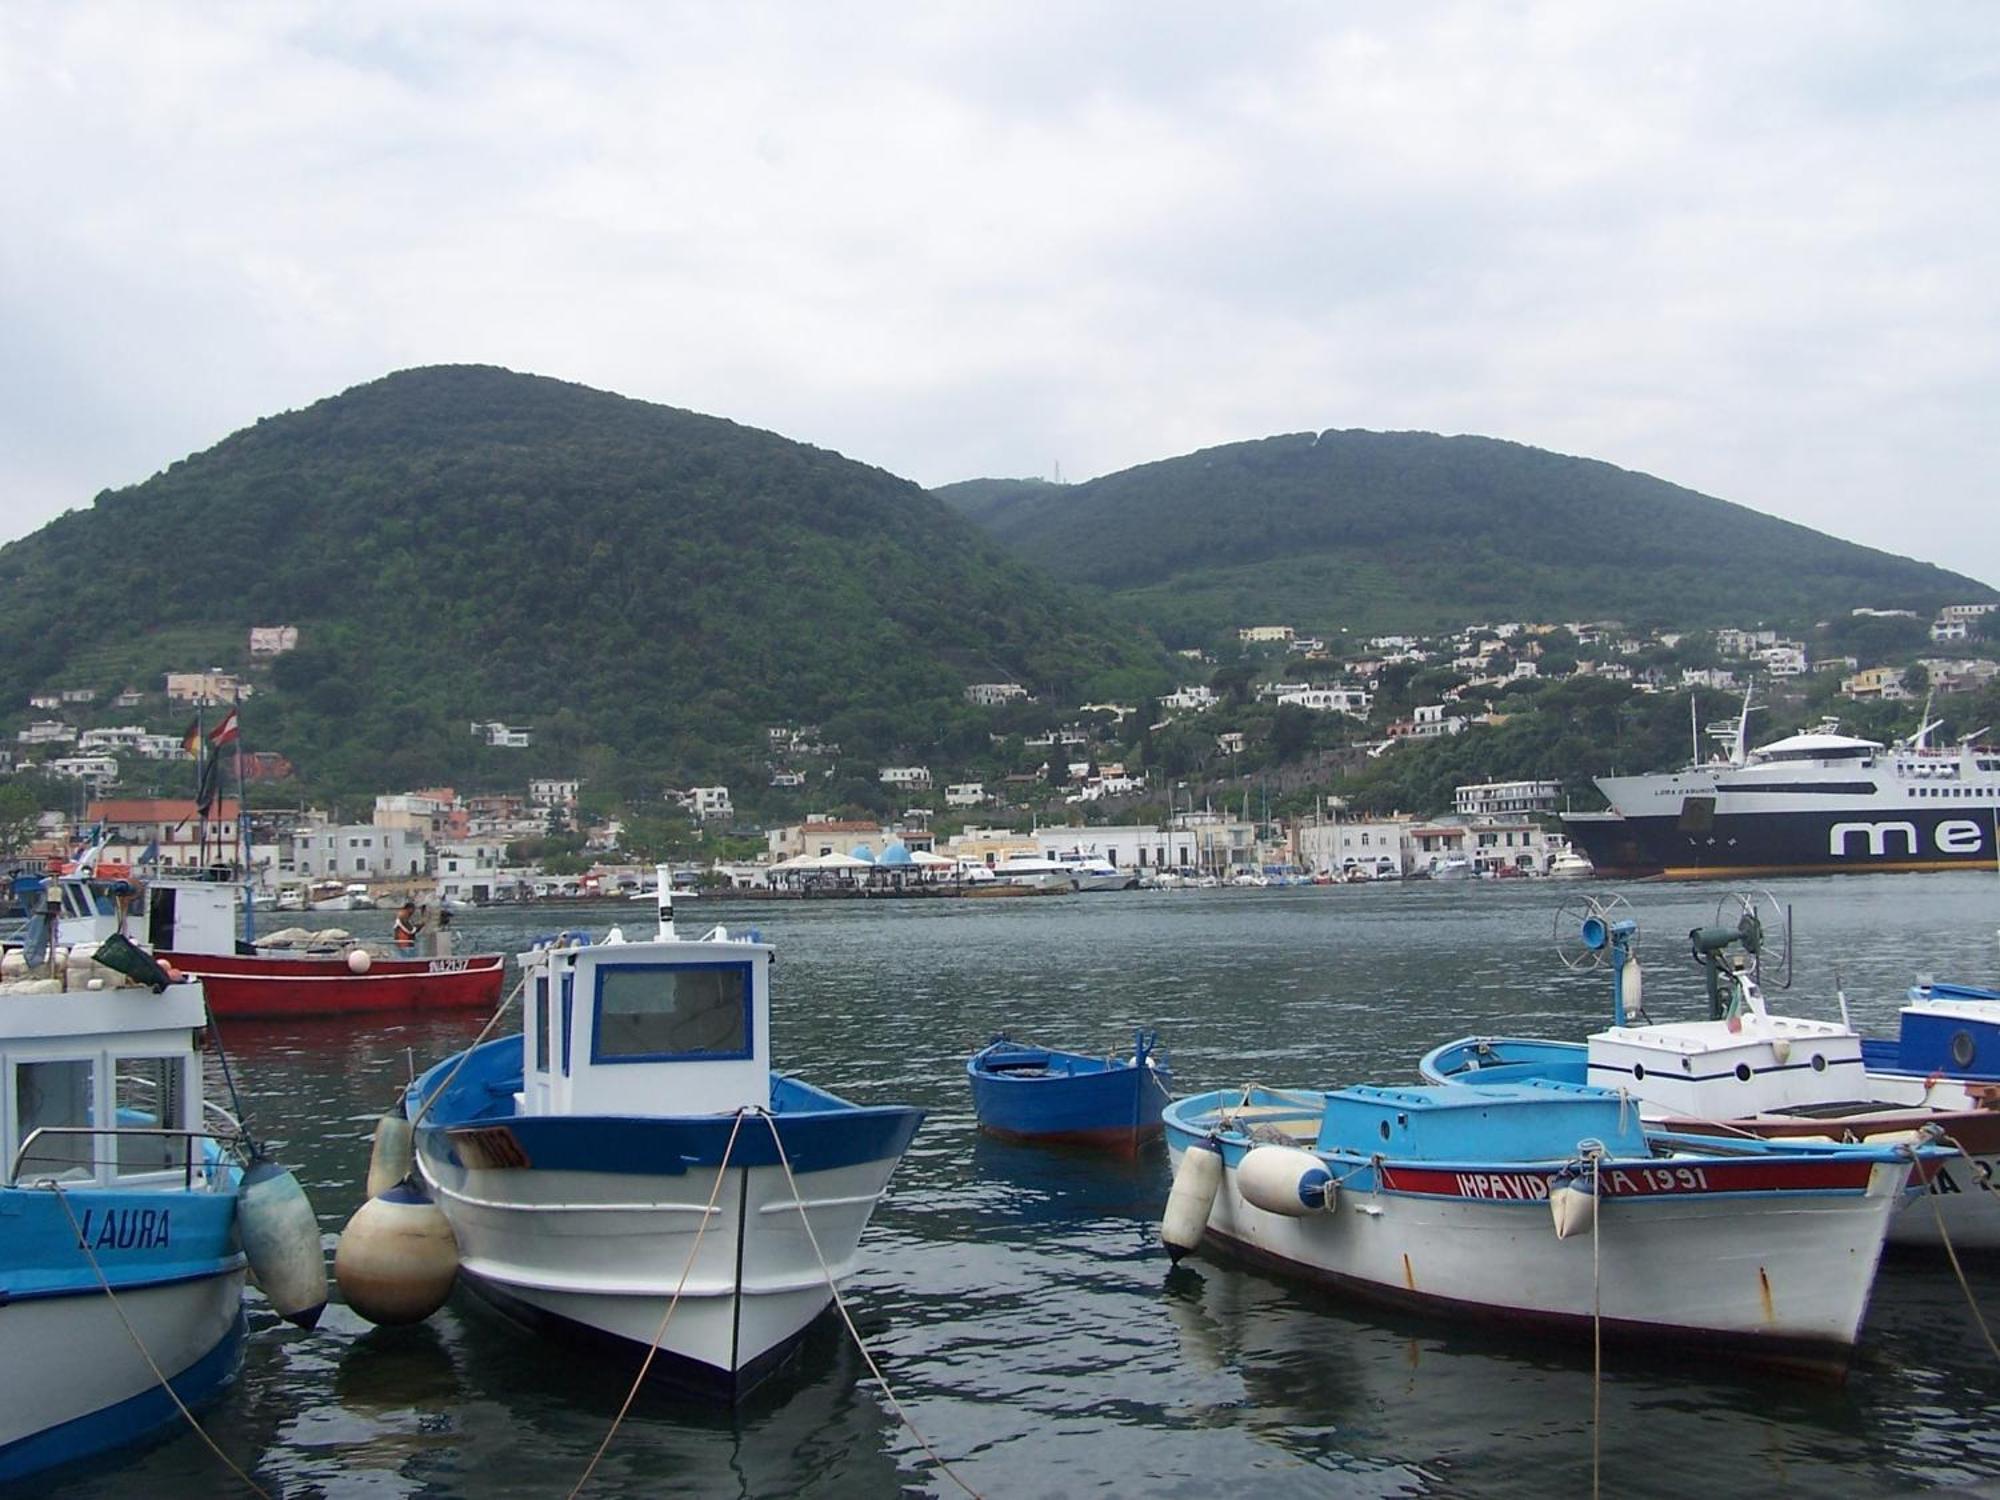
(436, 844)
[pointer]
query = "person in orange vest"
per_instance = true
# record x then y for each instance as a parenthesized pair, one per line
(408, 925)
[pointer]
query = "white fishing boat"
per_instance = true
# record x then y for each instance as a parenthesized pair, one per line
(1745, 1069)
(123, 1221)
(1545, 1204)
(1069, 870)
(631, 1168)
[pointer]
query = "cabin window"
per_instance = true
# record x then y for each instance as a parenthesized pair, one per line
(150, 1092)
(682, 1011)
(568, 1009)
(539, 1023)
(52, 1096)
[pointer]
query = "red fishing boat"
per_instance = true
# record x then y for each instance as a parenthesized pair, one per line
(191, 923)
(273, 985)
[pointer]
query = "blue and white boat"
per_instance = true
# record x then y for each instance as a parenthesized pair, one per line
(1744, 1069)
(1024, 1092)
(119, 1238)
(1945, 1031)
(1545, 1204)
(631, 1169)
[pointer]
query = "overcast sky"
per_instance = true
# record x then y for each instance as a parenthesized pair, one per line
(1753, 249)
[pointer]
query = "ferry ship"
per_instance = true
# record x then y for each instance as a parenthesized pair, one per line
(1809, 804)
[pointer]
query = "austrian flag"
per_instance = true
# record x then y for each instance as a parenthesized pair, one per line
(224, 732)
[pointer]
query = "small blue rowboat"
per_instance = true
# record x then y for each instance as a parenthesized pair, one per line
(1029, 1093)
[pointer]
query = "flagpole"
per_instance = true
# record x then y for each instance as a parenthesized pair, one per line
(243, 836)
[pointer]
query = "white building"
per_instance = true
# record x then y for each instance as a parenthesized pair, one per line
(965, 794)
(1785, 659)
(1948, 630)
(553, 791)
(273, 640)
(130, 739)
(1261, 634)
(706, 802)
(917, 777)
(1330, 700)
(1492, 799)
(1195, 698)
(502, 736)
(993, 694)
(47, 732)
(93, 771)
(1430, 721)
(469, 873)
(358, 851)
(1340, 846)
(788, 778)
(1966, 611)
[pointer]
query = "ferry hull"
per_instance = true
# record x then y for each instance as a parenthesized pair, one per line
(1736, 845)
(244, 986)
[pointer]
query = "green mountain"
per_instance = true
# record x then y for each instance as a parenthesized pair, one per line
(1380, 531)
(648, 589)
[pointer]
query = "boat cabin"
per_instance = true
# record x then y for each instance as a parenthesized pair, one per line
(1749, 1064)
(73, 1063)
(168, 916)
(668, 1026)
(1541, 1120)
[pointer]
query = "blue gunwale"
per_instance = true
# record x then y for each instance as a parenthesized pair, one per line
(820, 1130)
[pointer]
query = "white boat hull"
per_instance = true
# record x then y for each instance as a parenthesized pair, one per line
(607, 1252)
(1791, 1274)
(71, 1360)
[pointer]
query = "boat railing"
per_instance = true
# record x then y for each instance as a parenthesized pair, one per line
(91, 1162)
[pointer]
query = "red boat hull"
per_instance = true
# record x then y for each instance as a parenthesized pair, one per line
(244, 985)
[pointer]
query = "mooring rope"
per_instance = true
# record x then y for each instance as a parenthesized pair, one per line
(1951, 1252)
(465, 1056)
(848, 1318)
(140, 1344)
(660, 1333)
(1596, 1321)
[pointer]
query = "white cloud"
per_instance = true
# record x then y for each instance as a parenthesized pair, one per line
(1750, 251)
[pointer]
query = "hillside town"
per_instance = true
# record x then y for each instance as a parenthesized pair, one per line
(1066, 788)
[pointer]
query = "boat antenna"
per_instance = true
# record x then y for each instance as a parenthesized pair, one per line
(1694, 729)
(665, 879)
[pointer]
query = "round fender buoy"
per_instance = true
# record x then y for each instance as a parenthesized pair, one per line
(397, 1258)
(359, 960)
(1196, 1182)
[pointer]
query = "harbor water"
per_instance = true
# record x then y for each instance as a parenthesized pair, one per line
(1018, 1300)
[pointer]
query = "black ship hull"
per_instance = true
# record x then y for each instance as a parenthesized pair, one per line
(1701, 844)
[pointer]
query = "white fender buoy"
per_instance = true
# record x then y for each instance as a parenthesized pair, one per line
(390, 1157)
(1781, 1049)
(1196, 1182)
(1631, 990)
(1573, 1203)
(1286, 1180)
(359, 961)
(397, 1257)
(281, 1241)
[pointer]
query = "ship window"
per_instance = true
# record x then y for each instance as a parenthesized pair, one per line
(149, 1093)
(538, 1018)
(672, 1012)
(52, 1096)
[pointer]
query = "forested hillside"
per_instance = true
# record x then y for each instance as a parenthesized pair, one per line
(1373, 531)
(648, 589)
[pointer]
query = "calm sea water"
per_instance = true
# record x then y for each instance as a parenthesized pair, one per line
(1018, 1299)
